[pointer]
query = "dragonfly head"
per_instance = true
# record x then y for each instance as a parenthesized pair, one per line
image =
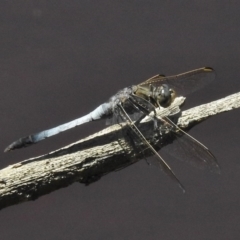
(164, 95)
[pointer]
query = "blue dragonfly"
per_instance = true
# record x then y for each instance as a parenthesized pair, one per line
(156, 92)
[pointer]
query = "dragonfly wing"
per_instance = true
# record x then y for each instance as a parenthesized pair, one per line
(159, 76)
(188, 149)
(161, 163)
(115, 119)
(184, 83)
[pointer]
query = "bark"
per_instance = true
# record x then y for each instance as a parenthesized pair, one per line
(89, 159)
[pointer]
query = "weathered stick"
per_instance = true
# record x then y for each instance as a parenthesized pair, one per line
(87, 160)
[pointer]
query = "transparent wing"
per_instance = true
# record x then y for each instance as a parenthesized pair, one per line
(184, 83)
(161, 163)
(115, 119)
(188, 149)
(159, 76)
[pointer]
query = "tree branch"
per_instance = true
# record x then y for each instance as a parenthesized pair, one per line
(89, 159)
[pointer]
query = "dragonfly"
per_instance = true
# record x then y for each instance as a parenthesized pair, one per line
(156, 92)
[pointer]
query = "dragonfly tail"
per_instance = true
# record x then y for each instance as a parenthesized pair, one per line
(20, 143)
(100, 112)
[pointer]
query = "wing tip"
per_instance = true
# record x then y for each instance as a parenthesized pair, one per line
(208, 69)
(217, 168)
(182, 187)
(215, 165)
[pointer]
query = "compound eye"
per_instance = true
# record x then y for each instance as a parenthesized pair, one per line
(162, 92)
(165, 91)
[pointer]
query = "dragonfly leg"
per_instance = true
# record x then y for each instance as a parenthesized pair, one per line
(147, 108)
(164, 166)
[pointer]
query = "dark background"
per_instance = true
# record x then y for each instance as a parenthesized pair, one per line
(60, 59)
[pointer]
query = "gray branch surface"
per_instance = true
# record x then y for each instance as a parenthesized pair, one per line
(89, 159)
